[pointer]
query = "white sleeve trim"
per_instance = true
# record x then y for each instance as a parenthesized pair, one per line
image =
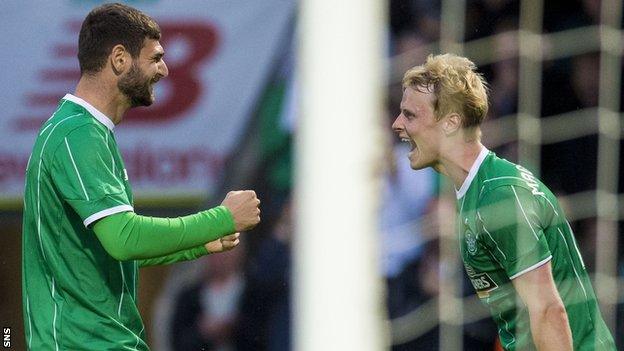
(537, 265)
(109, 211)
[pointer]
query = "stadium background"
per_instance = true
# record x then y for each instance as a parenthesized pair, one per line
(554, 69)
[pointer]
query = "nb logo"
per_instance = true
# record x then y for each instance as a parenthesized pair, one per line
(201, 41)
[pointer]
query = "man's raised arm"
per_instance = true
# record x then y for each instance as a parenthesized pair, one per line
(127, 236)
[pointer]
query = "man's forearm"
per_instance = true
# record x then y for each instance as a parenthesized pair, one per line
(551, 330)
(180, 256)
(128, 236)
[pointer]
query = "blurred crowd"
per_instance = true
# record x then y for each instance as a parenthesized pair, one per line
(242, 300)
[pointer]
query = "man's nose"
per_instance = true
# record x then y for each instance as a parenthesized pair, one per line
(396, 125)
(164, 71)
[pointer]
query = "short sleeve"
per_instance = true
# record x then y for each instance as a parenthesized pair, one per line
(511, 229)
(83, 171)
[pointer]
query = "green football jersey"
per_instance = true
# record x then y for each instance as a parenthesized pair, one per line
(75, 295)
(509, 223)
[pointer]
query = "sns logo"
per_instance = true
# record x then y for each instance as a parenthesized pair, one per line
(530, 180)
(6, 341)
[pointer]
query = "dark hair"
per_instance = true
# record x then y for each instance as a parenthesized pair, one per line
(109, 25)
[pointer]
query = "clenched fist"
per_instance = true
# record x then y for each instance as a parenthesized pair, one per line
(244, 205)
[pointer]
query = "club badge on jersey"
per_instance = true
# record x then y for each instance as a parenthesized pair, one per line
(471, 239)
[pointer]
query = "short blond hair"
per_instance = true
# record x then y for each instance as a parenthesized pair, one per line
(457, 86)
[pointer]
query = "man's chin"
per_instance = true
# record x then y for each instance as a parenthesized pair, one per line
(143, 102)
(149, 101)
(416, 165)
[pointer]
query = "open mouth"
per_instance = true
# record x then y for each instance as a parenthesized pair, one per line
(410, 142)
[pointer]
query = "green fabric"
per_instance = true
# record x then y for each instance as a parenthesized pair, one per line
(514, 233)
(181, 256)
(127, 236)
(509, 223)
(75, 295)
(275, 142)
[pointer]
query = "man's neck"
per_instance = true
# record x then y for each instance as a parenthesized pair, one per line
(458, 160)
(102, 95)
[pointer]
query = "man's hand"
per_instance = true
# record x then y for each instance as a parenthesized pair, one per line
(244, 206)
(226, 243)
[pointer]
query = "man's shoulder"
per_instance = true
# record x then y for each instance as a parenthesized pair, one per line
(69, 126)
(501, 177)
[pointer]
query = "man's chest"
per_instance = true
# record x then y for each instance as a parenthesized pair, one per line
(485, 274)
(471, 248)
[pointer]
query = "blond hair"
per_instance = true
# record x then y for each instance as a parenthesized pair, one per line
(457, 87)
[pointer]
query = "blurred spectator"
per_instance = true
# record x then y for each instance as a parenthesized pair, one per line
(266, 304)
(562, 15)
(504, 88)
(420, 282)
(568, 88)
(404, 200)
(409, 48)
(483, 17)
(206, 315)
(504, 81)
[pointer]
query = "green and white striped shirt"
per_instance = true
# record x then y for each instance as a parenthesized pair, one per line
(75, 295)
(509, 223)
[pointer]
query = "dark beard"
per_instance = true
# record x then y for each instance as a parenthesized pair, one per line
(136, 87)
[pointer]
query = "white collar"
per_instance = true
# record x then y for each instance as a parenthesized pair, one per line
(92, 110)
(472, 173)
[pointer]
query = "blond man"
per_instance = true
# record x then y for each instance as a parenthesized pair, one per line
(517, 247)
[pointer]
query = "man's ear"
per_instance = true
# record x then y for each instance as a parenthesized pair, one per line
(119, 59)
(452, 123)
